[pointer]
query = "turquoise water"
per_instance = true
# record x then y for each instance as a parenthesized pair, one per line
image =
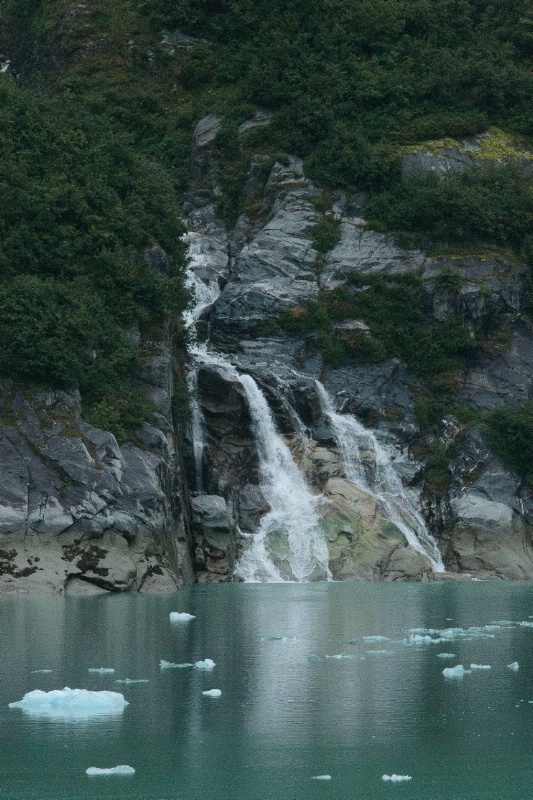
(286, 712)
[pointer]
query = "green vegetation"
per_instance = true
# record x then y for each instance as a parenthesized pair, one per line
(510, 434)
(488, 204)
(392, 307)
(79, 208)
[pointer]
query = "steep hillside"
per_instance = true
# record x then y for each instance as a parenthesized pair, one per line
(357, 178)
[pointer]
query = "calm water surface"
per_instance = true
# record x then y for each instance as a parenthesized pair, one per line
(286, 712)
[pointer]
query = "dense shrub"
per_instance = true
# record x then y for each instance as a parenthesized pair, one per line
(490, 203)
(79, 208)
(510, 434)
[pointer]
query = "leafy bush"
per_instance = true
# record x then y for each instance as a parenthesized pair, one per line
(510, 434)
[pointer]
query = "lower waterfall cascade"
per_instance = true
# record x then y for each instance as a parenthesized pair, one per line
(352, 439)
(290, 531)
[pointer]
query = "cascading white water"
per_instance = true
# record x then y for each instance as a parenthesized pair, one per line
(353, 440)
(204, 294)
(292, 526)
(292, 505)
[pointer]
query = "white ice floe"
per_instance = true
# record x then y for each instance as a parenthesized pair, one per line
(207, 663)
(480, 666)
(369, 639)
(455, 672)
(339, 656)
(396, 778)
(41, 671)
(445, 655)
(417, 638)
(181, 616)
(122, 769)
(102, 670)
(379, 652)
(526, 624)
(321, 778)
(170, 665)
(71, 703)
(212, 693)
(427, 635)
(132, 680)
(515, 666)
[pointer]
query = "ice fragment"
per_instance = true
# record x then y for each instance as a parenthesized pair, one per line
(181, 616)
(445, 655)
(480, 666)
(101, 670)
(514, 666)
(321, 778)
(169, 665)
(396, 778)
(455, 672)
(207, 663)
(71, 703)
(212, 693)
(122, 769)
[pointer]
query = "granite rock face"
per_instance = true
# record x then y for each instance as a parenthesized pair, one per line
(482, 520)
(78, 512)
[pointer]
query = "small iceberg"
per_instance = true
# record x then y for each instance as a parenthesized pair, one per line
(379, 652)
(181, 616)
(339, 656)
(122, 769)
(71, 703)
(396, 778)
(321, 778)
(212, 693)
(480, 666)
(455, 672)
(41, 671)
(169, 665)
(207, 663)
(369, 639)
(102, 670)
(132, 680)
(515, 666)
(526, 624)
(445, 655)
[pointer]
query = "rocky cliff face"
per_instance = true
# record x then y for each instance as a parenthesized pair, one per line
(79, 513)
(482, 516)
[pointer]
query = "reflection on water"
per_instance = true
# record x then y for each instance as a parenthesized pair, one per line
(290, 710)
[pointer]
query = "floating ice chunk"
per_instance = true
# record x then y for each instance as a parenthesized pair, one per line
(321, 778)
(369, 639)
(416, 638)
(515, 666)
(207, 663)
(314, 658)
(71, 703)
(445, 655)
(169, 665)
(212, 693)
(526, 624)
(122, 769)
(502, 622)
(480, 666)
(338, 656)
(396, 778)
(101, 670)
(132, 680)
(455, 672)
(379, 652)
(181, 616)
(41, 671)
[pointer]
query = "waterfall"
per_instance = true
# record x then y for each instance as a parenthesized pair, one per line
(292, 505)
(291, 529)
(204, 293)
(353, 440)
